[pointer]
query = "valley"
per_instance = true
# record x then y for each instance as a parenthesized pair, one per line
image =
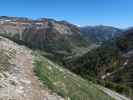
(45, 59)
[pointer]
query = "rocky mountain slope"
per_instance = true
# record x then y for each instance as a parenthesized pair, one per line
(17, 79)
(53, 36)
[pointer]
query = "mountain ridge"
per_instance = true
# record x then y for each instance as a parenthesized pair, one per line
(43, 33)
(100, 33)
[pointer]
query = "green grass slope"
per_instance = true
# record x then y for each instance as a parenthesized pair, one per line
(65, 83)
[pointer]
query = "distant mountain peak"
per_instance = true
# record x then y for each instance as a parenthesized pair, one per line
(100, 33)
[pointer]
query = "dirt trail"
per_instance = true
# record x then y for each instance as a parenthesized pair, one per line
(20, 82)
(113, 94)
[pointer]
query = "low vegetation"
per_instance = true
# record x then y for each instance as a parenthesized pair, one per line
(108, 61)
(65, 83)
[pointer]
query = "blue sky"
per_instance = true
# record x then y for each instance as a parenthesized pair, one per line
(117, 13)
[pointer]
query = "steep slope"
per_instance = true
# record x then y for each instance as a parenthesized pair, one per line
(69, 85)
(17, 79)
(98, 34)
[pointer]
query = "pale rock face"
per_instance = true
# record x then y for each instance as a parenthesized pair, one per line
(62, 29)
(10, 25)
